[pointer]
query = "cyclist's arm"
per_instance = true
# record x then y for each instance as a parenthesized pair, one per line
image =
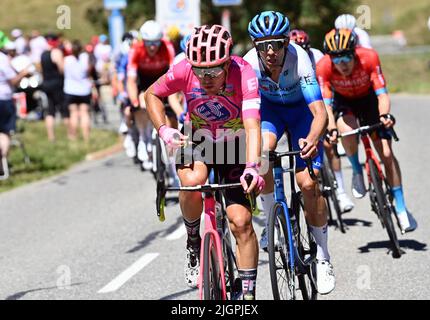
(378, 83)
(175, 103)
(155, 108)
(132, 78)
(253, 139)
(326, 90)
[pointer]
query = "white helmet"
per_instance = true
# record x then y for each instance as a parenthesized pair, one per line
(151, 31)
(345, 21)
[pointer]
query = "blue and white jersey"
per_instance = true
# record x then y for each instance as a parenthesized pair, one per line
(297, 82)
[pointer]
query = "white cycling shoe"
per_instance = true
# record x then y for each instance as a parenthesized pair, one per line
(142, 155)
(192, 267)
(345, 202)
(407, 222)
(129, 146)
(325, 278)
(358, 187)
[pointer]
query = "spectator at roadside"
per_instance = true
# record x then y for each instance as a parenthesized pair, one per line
(19, 40)
(38, 45)
(52, 63)
(77, 89)
(8, 79)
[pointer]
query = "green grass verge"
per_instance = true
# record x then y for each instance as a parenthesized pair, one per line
(47, 158)
(409, 73)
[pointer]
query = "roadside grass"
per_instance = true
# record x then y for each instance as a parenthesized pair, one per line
(47, 159)
(408, 73)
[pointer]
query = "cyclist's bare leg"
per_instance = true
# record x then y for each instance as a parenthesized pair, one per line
(315, 205)
(191, 203)
(334, 161)
(241, 226)
(128, 117)
(392, 168)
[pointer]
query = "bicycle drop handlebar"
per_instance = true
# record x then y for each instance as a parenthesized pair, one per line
(162, 190)
(273, 156)
(368, 129)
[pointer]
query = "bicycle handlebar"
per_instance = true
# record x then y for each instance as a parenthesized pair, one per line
(273, 156)
(162, 190)
(367, 129)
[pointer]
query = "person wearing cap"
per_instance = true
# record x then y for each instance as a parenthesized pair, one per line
(52, 62)
(9, 78)
(19, 40)
(102, 53)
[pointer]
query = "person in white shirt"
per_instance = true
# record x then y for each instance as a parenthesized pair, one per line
(77, 90)
(8, 79)
(103, 54)
(348, 21)
(38, 45)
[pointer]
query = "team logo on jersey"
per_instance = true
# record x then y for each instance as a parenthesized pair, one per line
(213, 111)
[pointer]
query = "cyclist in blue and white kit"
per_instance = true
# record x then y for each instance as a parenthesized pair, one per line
(291, 98)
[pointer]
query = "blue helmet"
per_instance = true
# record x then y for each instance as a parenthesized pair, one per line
(268, 23)
(183, 43)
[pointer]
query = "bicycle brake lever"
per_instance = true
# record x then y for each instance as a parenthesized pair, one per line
(251, 196)
(161, 200)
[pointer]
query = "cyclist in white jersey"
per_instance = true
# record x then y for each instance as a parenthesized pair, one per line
(348, 21)
(291, 98)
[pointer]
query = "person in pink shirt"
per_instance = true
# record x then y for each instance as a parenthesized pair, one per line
(223, 114)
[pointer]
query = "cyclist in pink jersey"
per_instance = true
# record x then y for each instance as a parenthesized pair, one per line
(223, 114)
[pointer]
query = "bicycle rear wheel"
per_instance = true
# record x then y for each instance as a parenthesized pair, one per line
(211, 271)
(384, 208)
(282, 276)
(329, 183)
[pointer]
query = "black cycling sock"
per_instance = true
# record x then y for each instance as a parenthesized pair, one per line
(193, 231)
(249, 282)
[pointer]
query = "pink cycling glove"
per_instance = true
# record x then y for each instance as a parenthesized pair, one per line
(259, 181)
(171, 137)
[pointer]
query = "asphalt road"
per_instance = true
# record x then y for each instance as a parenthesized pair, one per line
(92, 233)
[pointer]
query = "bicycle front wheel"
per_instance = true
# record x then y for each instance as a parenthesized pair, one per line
(384, 208)
(282, 275)
(212, 287)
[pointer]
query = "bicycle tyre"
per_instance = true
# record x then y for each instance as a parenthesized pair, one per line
(306, 250)
(211, 272)
(280, 266)
(384, 209)
(333, 197)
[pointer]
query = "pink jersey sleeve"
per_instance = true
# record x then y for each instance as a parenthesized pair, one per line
(251, 96)
(171, 82)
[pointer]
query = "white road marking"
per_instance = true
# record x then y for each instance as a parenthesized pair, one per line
(178, 233)
(127, 274)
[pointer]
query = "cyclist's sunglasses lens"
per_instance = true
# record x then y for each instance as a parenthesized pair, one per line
(275, 45)
(347, 58)
(208, 72)
(152, 43)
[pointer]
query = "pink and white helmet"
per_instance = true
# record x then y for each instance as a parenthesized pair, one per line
(209, 46)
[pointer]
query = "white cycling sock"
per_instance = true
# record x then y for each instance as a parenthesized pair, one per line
(267, 201)
(321, 238)
(339, 179)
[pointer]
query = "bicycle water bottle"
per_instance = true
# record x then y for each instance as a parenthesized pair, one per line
(293, 222)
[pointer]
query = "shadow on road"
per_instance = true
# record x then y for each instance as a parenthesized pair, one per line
(156, 234)
(21, 294)
(404, 244)
(177, 294)
(357, 222)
